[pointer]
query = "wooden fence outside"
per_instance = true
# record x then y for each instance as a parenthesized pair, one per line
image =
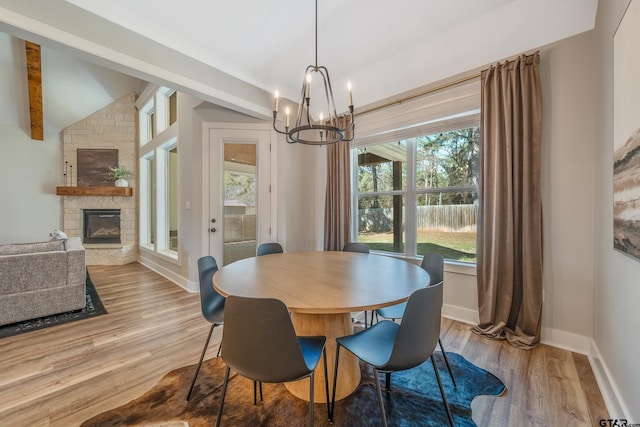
(451, 218)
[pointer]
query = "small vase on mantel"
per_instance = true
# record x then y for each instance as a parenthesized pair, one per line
(119, 175)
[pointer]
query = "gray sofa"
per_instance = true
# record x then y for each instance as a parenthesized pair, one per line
(40, 279)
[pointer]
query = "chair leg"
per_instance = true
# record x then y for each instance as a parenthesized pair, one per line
(224, 392)
(335, 381)
(379, 392)
(387, 380)
(256, 383)
(365, 319)
(446, 361)
(326, 383)
(204, 350)
(311, 377)
(444, 398)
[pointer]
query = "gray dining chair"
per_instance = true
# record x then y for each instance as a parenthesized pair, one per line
(211, 305)
(268, 350)
(390, 347)
(362, 248)
(356, 247)
(269, 248)
(433, 264)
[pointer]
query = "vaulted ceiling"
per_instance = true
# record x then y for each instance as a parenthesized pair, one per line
(231, 52)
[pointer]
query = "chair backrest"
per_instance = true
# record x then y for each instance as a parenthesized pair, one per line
(356, 247)
(269, 248)
(259, 342)
(211, 302)
(420, 329)
(434, 265)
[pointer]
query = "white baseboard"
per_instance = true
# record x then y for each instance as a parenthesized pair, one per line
(460, 314)
(566, 340)
(184, 283)
(610, 393)
(553, 337)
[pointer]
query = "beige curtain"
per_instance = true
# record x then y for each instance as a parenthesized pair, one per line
(337, 209)
(510, 214)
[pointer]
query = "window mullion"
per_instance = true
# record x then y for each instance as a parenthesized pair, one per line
(410, 201)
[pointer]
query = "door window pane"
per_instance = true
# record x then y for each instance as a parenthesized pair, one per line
(240, 201)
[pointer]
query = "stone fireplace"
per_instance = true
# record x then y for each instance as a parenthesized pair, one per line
(113, 127)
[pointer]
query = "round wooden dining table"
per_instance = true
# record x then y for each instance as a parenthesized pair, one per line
(321, 290)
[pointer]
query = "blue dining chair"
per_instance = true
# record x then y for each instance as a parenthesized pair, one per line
(211, 305)
(390, 347)
(433, 264)
(268, 350)
(362, 248)
(269, 248)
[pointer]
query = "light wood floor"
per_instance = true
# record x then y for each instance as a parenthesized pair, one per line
(65, 374)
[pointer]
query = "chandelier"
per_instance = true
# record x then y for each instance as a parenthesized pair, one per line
(305, 130)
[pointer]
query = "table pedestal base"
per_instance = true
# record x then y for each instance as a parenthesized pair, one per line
(332, 326)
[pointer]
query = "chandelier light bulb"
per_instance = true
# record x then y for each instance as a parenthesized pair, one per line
(307, 86)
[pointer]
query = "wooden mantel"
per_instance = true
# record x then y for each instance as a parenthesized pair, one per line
(94, 191)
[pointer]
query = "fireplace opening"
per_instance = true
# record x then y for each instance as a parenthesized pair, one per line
(101, 226)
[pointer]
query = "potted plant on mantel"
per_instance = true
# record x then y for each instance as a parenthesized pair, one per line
(119, 175)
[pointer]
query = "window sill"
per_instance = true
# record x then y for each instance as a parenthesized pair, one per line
(455, 267)
(169, 256)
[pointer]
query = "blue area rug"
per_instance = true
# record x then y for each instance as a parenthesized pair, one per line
(416, 392)
(414, 399)
(93, 308)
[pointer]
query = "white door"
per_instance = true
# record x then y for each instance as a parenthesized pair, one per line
(240, 197)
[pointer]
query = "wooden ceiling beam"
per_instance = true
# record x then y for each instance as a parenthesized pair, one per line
(34, 78)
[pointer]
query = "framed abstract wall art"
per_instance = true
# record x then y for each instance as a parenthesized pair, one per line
(626, 133)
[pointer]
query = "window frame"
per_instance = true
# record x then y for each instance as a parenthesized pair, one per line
(156, 149)
(457, 108)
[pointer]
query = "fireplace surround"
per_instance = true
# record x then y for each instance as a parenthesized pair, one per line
(112, 127)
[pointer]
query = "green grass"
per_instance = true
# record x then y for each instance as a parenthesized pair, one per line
(452, 246)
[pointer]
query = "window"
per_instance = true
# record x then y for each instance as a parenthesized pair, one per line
(415, 178)
(159, 190)
(172, 188)
(173, 108)
(147, 122)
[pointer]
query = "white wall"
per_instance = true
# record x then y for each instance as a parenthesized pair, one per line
(617, 290)
(30, 170)
(568, 78)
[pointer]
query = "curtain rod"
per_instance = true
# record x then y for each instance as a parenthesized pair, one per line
(418, 95)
